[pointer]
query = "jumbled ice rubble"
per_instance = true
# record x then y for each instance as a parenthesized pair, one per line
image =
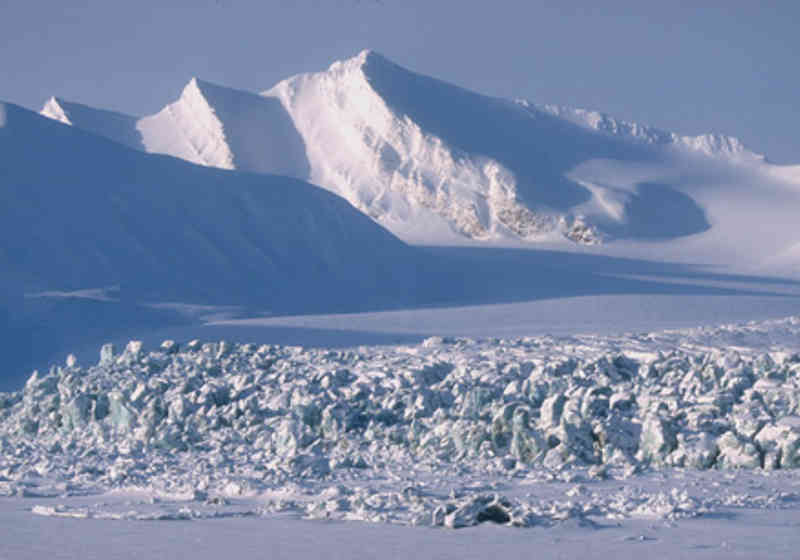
(231, 419)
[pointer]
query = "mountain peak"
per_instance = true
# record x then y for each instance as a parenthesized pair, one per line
(54, 109)
(199, 88)
(196, 83)
(192, 88)
(364, 54)
(211, 92)
(366, 57)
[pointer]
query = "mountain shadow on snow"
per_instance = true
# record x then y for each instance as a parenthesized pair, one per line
(657, 211)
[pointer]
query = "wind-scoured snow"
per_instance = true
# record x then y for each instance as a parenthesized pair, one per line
(430, 434)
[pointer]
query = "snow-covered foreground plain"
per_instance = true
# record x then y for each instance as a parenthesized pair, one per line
(740, 533)
(681, 443)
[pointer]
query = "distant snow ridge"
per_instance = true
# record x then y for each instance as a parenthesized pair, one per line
(715, 145)
(228, 419)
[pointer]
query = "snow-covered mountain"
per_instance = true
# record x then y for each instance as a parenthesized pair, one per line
(435, 163)
(80, 212)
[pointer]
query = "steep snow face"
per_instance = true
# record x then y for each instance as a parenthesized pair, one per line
(99, 214)
(399, 168)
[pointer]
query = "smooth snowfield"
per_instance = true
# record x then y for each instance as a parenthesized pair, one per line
(752, 534)
(744, 534)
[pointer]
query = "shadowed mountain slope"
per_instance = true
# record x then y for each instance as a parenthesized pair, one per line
(79, 211)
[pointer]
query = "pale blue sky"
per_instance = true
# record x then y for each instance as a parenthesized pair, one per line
(692, 67)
